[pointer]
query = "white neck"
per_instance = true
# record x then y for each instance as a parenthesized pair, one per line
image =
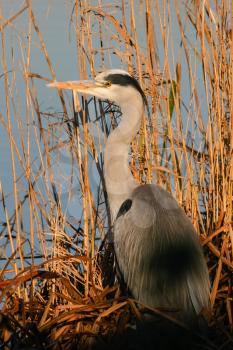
(119, 180)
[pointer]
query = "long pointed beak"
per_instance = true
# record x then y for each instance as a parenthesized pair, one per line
(79, 85)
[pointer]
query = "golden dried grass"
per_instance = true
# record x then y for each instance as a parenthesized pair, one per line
(62, 298)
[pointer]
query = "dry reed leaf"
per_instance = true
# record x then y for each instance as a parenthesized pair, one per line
(119, 28)
(10, 20)
(113, 309)
(59, 332)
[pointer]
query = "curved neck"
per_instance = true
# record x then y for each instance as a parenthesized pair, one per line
(118, 177)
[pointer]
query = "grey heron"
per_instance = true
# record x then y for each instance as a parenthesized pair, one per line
(156, 246)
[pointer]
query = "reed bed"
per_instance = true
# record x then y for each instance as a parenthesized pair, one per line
(57, 286)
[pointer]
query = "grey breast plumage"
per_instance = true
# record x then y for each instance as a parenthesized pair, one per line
(158, 252)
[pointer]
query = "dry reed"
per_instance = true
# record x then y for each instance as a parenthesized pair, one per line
(53, 283)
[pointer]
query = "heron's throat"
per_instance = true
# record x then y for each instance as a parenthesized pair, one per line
(118, 177)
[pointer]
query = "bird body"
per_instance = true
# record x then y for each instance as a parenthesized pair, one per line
(159, 253)
(156, 246)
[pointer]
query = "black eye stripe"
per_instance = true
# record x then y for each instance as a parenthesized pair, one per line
(126, 80)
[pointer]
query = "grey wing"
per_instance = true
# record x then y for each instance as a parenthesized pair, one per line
(158, 252)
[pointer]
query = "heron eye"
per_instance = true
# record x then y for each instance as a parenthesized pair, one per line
(107, 83)
(103, 83)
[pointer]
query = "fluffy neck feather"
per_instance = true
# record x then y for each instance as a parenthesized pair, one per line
(118, 177)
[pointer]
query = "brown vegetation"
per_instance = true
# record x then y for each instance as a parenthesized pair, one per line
(51, 287)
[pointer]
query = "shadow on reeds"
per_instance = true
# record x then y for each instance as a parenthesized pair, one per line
(160, 334)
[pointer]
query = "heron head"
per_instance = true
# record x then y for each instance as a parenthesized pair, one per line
(115, 85)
